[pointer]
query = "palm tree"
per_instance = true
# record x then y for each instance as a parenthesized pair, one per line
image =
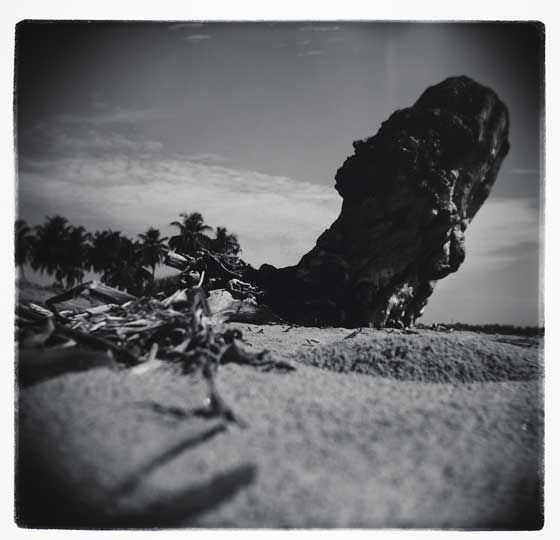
(23, 244)
(153, 248)
(191, 235)
(226, 243)
(125, 270)
(103, 250)
(76, 255)
(49, 246)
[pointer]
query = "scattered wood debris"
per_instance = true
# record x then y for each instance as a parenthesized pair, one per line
(310, 342)
(144, 332)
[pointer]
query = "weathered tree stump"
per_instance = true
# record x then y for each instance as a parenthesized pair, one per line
(409, 193)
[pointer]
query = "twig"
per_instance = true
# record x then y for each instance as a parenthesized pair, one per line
(354, 334)
(201, 279)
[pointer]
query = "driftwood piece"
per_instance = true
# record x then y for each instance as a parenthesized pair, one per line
(217, 268)
(56, 329)
(177, 260)
(225, 308)
(40, 310)
(96, 289)
(30, 313)
(204, 261)
(409, 193)
(178, 297)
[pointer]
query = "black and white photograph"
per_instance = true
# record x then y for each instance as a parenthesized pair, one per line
(279, 274)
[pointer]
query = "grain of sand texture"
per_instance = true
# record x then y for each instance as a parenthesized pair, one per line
(431, 430)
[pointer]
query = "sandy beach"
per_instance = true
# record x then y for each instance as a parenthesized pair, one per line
(382, 429)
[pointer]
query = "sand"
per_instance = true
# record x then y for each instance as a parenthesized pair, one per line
(437, 430)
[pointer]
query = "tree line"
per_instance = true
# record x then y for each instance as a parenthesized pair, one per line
(66, 252)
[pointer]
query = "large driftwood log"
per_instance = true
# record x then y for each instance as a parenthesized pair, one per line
(226, 308)
(409, 193)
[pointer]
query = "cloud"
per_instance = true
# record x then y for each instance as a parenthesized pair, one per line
(104, 115)
(64, 138)
(499, 280)
(516, 251)
(525, 172)
(103, 131)
(99, 105)
(310, 53)
(114, 179)
(195, 38)
(503, 230)
(206, 156)
(188, 25)
(305, 51)
(319, 28)
(277, 219)
(191, 38)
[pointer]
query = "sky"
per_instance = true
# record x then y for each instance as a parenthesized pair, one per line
(124, 125)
